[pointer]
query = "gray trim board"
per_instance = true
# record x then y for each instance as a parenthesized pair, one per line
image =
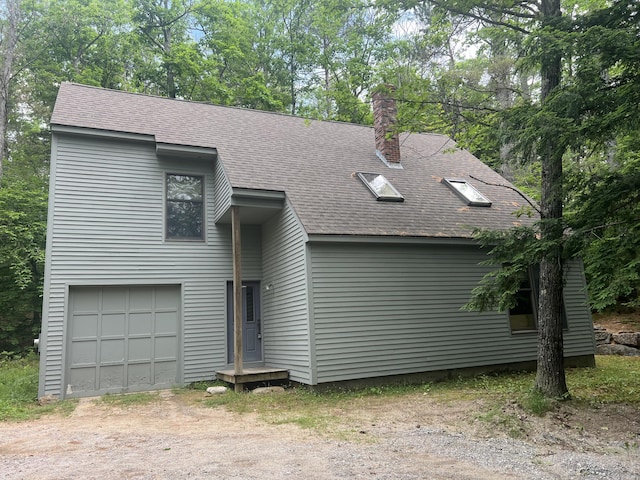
(313, 366)
(257, 206)
(391, 239)
(186, 151)
(94, 132)
(222, 191)
(44, 336)
(266, 195)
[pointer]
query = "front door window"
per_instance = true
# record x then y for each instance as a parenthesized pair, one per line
(251, 325)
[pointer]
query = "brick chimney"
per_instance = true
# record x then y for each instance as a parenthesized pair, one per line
(384, 120)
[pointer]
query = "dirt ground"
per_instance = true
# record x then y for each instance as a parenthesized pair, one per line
(412, 437)
(618, 322)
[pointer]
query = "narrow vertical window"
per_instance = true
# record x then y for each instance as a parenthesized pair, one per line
(184, 207)
(522, 316)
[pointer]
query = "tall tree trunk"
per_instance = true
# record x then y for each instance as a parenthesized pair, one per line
(550, 376)
(501, 72)
(171, 81)
(10, 42)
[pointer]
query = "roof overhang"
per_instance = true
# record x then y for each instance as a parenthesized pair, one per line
(391, 239)
(96, 132)
(162, 148)
(185, 151)
(256, 206)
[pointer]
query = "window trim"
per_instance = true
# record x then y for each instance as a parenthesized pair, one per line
(382, 198)
(449, 182)
(202, 237)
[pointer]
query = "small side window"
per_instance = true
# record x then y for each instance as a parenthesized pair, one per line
(522, 316)
(184, 207)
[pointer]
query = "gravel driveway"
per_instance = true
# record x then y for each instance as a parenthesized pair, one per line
(175, 439)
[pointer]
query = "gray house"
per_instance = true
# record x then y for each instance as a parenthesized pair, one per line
(353, 248)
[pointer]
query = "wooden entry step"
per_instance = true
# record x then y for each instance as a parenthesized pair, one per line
(253, 374)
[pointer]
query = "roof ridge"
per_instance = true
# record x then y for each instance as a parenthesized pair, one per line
(242, 109)
(210, 104)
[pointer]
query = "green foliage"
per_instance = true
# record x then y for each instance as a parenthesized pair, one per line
(79, 40)
(606, 79)
(23, 212)
(604, 215)
(511, 252)
(491, 104)
(615, 380)
(164, 32)
(19, 383)
(237, 68)
(536, 403)
(19, 390)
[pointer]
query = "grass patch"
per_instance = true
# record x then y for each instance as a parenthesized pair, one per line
(615, 380)
(324, 412)
(19, 391)
(537, 403)
(299, 406)
(130, 399)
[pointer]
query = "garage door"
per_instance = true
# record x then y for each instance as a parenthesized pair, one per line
(122, 339)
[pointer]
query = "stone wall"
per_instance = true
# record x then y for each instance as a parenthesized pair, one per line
(620, 343)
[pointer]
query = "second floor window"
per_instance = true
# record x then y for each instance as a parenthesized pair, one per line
(184, 207)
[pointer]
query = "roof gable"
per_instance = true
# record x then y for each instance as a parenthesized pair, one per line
(314, 162)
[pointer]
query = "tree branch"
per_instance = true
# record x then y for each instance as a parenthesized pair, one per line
(535, 207)
(482, 18)
(606, 225)
(450, 104)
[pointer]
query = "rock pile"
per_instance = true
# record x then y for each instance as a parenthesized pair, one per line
(621, 343)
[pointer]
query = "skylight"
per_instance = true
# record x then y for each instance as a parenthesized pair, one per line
(381, 187)
(467, 192)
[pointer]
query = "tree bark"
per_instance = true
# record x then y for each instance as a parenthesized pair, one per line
(550, 375)
(10, 42)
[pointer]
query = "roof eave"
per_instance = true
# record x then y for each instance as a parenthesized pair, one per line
(391, 239)
(95, 132)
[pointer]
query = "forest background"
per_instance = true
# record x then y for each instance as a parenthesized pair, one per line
(470, 69)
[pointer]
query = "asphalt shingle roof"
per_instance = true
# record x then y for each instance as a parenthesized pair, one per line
(313, 162)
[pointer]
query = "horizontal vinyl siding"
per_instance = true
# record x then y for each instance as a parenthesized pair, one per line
(285, 311)
(578, 338)
(107, 229)
(222, 191)
(387, 310)
(251, 250)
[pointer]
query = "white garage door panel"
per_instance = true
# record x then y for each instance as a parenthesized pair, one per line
(122, 339)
